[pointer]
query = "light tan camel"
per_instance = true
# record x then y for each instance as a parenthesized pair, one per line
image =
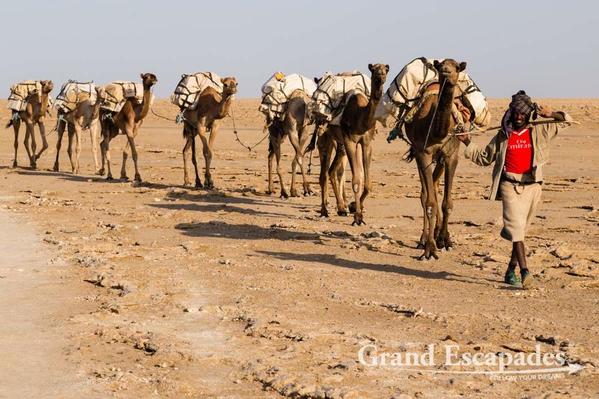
(85, 116)
(432, 144)
(127, 121)
(293, 124)
(356, 132)
(34, 114)
(204, 119)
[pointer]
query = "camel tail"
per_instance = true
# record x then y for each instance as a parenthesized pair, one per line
(409, 155)
(312, 145)
(9, 124)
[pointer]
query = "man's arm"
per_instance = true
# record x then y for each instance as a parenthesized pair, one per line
(551, 130)
(480, 156)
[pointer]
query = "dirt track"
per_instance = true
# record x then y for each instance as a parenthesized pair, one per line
(231, 292)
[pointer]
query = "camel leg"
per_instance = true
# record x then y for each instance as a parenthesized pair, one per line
(437, 173)
(29, 142)
(131, 140)
(366, 158)
(324, 153)
(271, 159)
(194, 160)
(297, 160)
(16, 125)
(186, 154)
(424, 165)
(351, 149)
(436, 177)
(124, 165)
(71, 135)
(337, 179)
(42, 129)
(94, 134)
(277, 151)
(105, 147)
(59, 133)
(422, 240)
(303, 140)
(443, 238)
(208, 152)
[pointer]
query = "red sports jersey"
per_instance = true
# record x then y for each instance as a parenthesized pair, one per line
(518, 158)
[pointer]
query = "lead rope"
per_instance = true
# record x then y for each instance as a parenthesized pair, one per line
(248, 147)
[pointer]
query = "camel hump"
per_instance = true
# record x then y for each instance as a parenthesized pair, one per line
(74, 93)
(334, 90)
(20, 92)
(190, 87)
(415, 79)
(279, 89)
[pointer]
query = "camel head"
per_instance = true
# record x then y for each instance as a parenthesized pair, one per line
(148, 79)
(449, 70)
(47, 86)
(379, 71)
(229, 86)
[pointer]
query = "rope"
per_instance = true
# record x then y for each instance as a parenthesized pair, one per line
(434, 114)
(474, 130)
(164, 117)
(248, 147)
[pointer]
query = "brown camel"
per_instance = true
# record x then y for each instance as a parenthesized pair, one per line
(127, 121)
(211, 108)
(34, 114)
(432, 143)
(85, 116)
(356, 132)
(328, 146)
(293, 124)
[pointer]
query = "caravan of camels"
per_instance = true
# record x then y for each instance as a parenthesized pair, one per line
(429, 105)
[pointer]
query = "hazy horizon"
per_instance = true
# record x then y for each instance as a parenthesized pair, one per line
(551, 52)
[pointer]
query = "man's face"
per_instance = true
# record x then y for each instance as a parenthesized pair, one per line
(518, 119)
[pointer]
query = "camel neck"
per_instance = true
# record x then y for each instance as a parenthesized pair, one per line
(376, 93)
(224, 105)
(147, 99)
(442, 121)
(44, 104)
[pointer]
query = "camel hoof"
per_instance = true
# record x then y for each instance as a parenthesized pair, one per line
(109, 177)
(14, 164)
(324, 213)
(137, 178)
(430, 251)
(294, 193)
(420, 245)
(125, 177)
(269, 192)
(352, 207)
(209, 185)
(198, 184)
(55, 168)
(342, 212)
(101, 172)
(284, 194)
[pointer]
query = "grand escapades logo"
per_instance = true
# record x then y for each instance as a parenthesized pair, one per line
(454, 361)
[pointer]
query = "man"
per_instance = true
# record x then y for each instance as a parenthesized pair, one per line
(519, 151)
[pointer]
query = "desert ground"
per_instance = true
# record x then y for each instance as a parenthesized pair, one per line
(113, 289)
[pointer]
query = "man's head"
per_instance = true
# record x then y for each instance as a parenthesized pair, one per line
(521, 109)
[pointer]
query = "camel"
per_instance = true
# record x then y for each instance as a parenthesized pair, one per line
(127, 121)
(327, 146)
(429, 133)
(84, 116)
(205, 117)
(294, 124)
(34, 114)
(356, 132)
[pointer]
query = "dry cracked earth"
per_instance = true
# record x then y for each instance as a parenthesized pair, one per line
(169, 291)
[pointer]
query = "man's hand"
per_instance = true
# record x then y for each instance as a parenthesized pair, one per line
(464, 138)
(545, 112)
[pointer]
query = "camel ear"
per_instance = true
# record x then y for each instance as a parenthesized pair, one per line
(387, 68)
(316, 80)
(222, 80)
(370, 67)
(141, 75)
(437, 64)
(462, 66)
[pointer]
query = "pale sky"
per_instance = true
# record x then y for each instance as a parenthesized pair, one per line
(549, 48)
